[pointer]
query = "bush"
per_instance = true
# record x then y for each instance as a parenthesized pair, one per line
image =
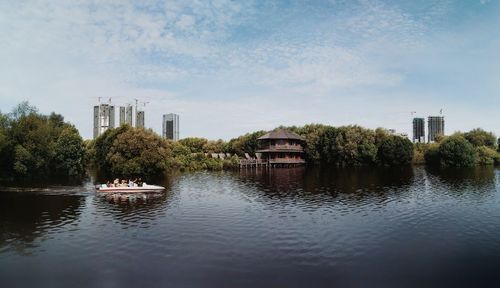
(486, 155)
(33, 145)
(431, 155)
(456, 151)
(395, 151)
(478, 137)
(138, 152)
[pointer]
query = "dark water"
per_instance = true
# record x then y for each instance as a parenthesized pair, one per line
(283, 228)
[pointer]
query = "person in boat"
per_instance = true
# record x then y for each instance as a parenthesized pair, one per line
(131, 183)
(139, 182)
(116, 183)
(124, 183)
(108, 184)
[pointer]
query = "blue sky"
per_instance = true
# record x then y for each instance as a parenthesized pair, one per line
(231, 67)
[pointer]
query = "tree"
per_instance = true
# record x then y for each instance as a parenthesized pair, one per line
(103, 145)
(139, 152)
(23, 109)
(194, 144)
(486, 155)
(431, 154)
(312, 134)
(348, 146)
(36, 145)
(215, 146)
(457, 151)
(395, 151)
(245, 144)
(32, 138)
(69, 153)
(478, 137)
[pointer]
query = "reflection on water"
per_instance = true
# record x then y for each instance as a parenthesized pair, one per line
(328, 226)
(26, 217)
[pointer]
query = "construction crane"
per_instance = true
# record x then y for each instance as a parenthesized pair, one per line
(144, 103)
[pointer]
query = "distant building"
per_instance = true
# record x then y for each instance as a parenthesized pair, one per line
(435, 127)
(418, 130)
(139, 119)
(104, 118)
(126, 115)
(170, 126)
(122, 115)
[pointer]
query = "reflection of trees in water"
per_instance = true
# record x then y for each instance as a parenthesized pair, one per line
(24, 217)
(473, 180)
(356, 181)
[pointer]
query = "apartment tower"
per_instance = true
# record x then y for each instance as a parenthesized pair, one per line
(104, 118)
(418, 130)
(170, 125)
(435, 127)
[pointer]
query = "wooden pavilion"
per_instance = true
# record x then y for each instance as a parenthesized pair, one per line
(281, 148)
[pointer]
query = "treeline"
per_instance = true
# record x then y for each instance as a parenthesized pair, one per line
(476, 147)
(35, 145)
(129, 151)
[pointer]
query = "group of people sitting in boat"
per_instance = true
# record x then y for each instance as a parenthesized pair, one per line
(125, 183)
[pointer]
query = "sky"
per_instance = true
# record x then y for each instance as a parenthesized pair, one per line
(232, 67)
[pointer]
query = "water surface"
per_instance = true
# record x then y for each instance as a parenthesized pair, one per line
(268, 228)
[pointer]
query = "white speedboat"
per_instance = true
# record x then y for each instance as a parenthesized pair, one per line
(145, 188)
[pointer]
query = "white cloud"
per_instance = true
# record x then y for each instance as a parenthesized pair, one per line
(225, 66)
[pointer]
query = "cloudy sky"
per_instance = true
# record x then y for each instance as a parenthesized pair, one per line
(231, 67)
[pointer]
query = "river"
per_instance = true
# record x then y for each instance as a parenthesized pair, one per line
(300, 227)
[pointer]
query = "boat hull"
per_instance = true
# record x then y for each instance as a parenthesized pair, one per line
(143, 189)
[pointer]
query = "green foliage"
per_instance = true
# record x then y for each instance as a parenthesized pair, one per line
(23, 109)
(138, 152)
(478, 137)
(486, 155)
(395, 151)
(35, 145)
(218, 146)
(103, 145)
(245, 144)
(456, 151)
(24, 161)
(419, 151)
(195, 145)
(313, 134)
(348, 146)
(69, 152)
(431, 155)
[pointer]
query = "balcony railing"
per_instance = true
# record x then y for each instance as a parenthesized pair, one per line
(286, 160)
(285, 147)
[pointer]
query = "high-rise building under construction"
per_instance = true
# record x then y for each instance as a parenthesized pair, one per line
(126, 115)
(104, 118)
(170, 125)
(139, 119)
(418, 130)
(435, 127)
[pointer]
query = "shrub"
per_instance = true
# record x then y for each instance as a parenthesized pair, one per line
(456, 151)
(395, 151)
(486, 155)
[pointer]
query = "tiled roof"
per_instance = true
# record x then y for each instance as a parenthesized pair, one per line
(281, 134)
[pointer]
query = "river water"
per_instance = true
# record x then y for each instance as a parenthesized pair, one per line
(301, 227)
